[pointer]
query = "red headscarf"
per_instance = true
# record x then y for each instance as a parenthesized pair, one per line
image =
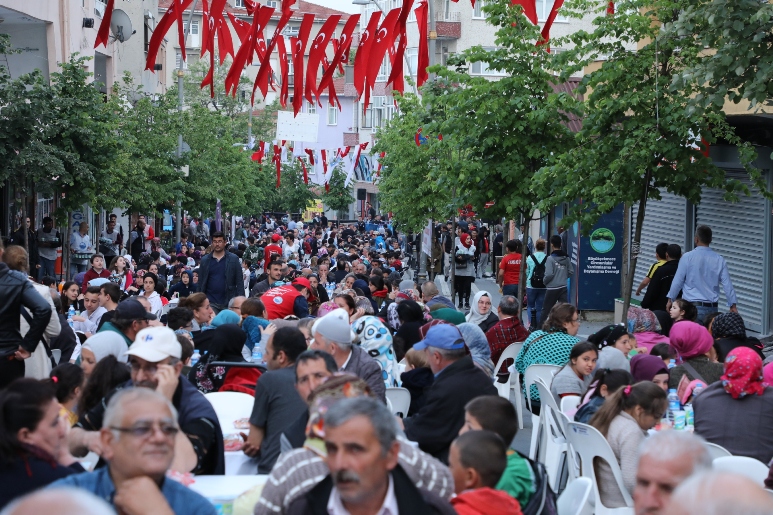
(743, 373)
(465, 239)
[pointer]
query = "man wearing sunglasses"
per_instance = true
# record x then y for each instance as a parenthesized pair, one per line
(138, 440)
(155, 363)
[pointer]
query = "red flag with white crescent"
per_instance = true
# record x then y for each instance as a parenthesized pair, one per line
(277, 159)
(382, 39)
(305, 172)
(423, 57)
(261, 81)
(331, 88)
(244, 55)
(316, 52)
(363, 52)
(283, 70)
(340, 47)
(299, 50)
(396, 77)
(103, 34)
(529, 9)
(545, 34)
(163, 26)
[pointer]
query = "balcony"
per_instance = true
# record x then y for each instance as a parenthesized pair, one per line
(448, 25)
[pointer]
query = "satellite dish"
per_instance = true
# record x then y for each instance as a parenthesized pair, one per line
(121, 25)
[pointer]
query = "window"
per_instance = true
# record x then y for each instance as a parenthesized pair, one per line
(178, 60)
(291, 30)
(193, 37)
(238, 3)
(383, 72)
(367, 117)
(543, 10)
(99, 7)
(482, 68)
(311, 108)
(412, 55)
(477, 12)
(332, 115)
(272, 3)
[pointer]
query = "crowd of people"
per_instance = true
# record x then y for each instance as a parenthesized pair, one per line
(316, 322)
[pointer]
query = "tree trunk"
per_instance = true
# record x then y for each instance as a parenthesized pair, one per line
(452, 261)
(522, 274)
(25, 229)
(635, 244)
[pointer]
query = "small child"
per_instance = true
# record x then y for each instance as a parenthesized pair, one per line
(68, 380)
(417, 378)
(683, 310)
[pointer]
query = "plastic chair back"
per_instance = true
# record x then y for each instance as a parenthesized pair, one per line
(400, 398)
(551, 443)
(717, 451)
(230, 406)
(589, 444)
(513, 382)
(745, 466)
(569, 403)
(56, 354)
(510, 352)
(574, 499)
(546, 372)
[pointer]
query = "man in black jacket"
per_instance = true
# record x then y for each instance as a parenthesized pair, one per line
(457, 381)
(17, 291)
(365, 477)
(656, 297)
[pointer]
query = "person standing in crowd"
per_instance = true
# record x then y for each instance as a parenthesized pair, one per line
(220, 274)
(660, 255)
(699, 274)
(271, 250)
(18, 291)
(509, 274)
(81, 249)
(558, 268)
(535, 282)
(526, 242)
(498, 241)
(659, 284)
(110, 240)
(48, 241)
(23, 235)
(148, 233)
(137, 240)
(464, 251)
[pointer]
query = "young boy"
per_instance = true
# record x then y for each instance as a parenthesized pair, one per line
(497, 414)
(660, 255)
(477, 460)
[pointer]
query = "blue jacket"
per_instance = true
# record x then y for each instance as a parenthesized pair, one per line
(234, 282)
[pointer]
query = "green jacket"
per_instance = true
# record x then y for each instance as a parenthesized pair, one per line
(108, 326)
(517, 479)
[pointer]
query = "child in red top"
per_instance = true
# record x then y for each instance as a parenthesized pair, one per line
(510, 269)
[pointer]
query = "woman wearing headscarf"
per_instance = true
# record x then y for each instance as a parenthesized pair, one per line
(649, 368)
(451, 316)
(645, 326)
(100, 346)
(375, 339)
(737, 412)
(692, 344)
(464, 252)
(613, 345)
(363, 286)
(481, 313)
(476, 341)
(729, 333)
(226, 343)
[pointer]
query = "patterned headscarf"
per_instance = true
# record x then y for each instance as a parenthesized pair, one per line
(376, 340)
(325, 308)
(642, 320)
(476, 341)
(743, 373)
(727, 325)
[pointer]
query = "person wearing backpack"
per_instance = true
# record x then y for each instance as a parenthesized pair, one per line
(535, 281)
(558, 268)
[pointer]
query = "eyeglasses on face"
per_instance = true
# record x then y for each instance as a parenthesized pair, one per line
(145, 430)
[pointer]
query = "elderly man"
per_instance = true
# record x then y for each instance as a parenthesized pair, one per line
(155, 365)
(333, 334)
(235, 304)
(62, 501)
(508, 330)
(457, 381)
(365, 476)
(138, 440)
(666, 459)
(720, 493)
(431, 296)
(130, 318)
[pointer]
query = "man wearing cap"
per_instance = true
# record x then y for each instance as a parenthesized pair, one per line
(289, 299)
(333, 334)
(130, 318)
(457, 381)
(271, 250)
(155, 363)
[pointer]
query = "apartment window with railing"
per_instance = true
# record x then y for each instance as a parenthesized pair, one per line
(383, 71)
(99, 7)
(272, 3)
(412, 55)
(543, 10)
(238, 3)
(193, 37)
(482, 68)
(477, 11)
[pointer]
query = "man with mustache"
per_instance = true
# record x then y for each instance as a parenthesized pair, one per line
(365, 476)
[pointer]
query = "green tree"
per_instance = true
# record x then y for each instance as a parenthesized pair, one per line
(339, 196)
(293, 194)
(639, 136)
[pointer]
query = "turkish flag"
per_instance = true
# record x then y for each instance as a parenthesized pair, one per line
(242, 29)
(382, 40)
(305, 172)
(283, 70)
(545, 34)
(396, 77)
(310, 152)
(299, 50)
(259, 20)
(316, 53)
(363, 52)
(340, 47)
(286, 5)
(163, 26)
(224, 42)
(611, 8)
(277, 159)
(529, 8)
(103, 34)
(423, 57)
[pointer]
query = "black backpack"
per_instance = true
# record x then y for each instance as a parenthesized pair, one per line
(538, 274)
(544, 500)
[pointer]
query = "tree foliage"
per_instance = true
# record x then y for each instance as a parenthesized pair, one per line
(339, 196)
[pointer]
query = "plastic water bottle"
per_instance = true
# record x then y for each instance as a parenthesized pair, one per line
(671, 363)
(196, 357)
(673, 404)
(257, 354)
(689, 417)
(70, 314)
(695, 391)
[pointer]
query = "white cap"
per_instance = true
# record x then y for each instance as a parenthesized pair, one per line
(154, 344)
(334, 326)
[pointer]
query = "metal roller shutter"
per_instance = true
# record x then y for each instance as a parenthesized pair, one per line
(664, 221)
(738, 234)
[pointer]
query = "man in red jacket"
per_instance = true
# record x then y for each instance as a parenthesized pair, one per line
(271, 250)
(289, 299)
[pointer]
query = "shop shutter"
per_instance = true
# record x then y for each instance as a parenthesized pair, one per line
(738, 234)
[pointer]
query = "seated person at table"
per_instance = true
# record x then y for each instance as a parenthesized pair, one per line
(624, 420)
(605, 382)
(575, 376)
(497, 414)
(155, 359)
(729, 332)
(737, 412)
(298, 471)
(138, 442)
(614, 345)
(33, 445)
(312, 368)
(477, 460)
(277, 403)
(692, 344)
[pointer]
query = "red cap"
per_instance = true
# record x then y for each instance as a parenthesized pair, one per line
(303, 282)
(275, 237)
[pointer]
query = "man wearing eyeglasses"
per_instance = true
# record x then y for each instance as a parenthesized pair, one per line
(139, 440)
(155, 364)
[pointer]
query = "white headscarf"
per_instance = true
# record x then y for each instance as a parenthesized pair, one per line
(107, 343)
(475, 316)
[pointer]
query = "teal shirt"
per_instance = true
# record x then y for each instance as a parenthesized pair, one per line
(517, 479)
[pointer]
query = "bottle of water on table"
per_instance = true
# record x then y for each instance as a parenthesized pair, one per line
(257, 354)
(196, 357)
(673, 404)
(70, 314)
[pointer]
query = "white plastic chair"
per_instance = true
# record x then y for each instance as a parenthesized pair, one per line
(574, 500)
(588, 443)
(400, 398)
(513, 382)
(56, 354)
(551, 444)
(569, 403)
(743, 465)
(546, 372)
(717, 451)
(230, 407)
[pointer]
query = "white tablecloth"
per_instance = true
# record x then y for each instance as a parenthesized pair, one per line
(239, 464)
(225, 487)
